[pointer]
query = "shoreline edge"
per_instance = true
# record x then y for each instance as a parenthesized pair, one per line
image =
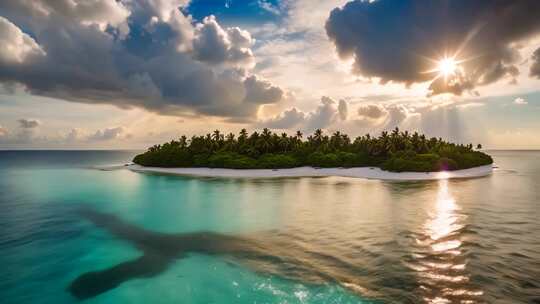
(355, 172)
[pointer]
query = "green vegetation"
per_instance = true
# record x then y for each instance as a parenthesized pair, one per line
(396, 151)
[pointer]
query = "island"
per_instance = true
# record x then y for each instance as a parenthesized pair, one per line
(394, 151)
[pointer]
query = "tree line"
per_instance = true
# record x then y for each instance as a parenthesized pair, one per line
(393, 151)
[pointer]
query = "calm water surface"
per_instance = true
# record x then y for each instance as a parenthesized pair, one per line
(308, 240)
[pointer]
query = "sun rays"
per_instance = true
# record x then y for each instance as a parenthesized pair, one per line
(446, 67)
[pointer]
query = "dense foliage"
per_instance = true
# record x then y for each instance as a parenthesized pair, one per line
(395, 151)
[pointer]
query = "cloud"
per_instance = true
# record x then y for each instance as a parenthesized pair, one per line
(16, 45)
(457, 85)
(397, 114)
(100, 13)
(261, 91)
(388, 116)
(137, 53)
(74, 135)
(3, 131)
(28, 123)
(267, 6)
(286, 120)
(27, 132)
(82, 136)
(391, 39)
(535, 67)
(520, 101)
(215, 45)
(343, 109)
(163, 10)
(323, 116)
(106, 134)
(372, 111)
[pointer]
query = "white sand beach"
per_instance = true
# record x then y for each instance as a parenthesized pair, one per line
(360, 172)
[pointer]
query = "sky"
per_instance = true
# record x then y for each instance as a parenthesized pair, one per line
(127, 74)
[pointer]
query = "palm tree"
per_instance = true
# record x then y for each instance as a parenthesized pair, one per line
(318, 135)
(284, 142)
(243, 136)
(336, 140)
(183, 141)
(266, 133)
(264, 144)
(217, 135)
(317, 138)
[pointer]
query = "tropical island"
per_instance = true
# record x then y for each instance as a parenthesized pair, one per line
(395, 152)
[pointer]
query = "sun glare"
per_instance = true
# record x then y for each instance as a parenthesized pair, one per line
(447, 67)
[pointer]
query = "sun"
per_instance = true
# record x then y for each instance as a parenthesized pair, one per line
(447, 66)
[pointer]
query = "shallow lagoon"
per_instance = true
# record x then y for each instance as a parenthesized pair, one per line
(408, 242)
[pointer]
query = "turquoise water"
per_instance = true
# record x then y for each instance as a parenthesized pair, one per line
(323, 240)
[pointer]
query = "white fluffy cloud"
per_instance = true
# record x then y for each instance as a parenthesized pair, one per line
(286, 120)
(73, 136)
(327, 113)
(215, 45)
(100, 13)
(387, 116)
(27, 132)
(106, 134)
(16, 45)
(161, 9)
(166, 64)
(372, 111)
(520, 101)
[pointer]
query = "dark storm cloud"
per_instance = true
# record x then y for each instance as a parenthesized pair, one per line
(141, 53)
(392, 39)
(535, 68)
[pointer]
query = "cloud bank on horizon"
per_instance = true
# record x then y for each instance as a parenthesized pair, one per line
(356, 65)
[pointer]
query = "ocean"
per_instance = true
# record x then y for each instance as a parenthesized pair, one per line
(125, 237)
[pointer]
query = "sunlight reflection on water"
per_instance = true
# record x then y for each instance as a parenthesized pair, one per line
(443, 276)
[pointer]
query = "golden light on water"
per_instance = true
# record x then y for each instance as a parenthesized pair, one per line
(443, 221)
(445, 275)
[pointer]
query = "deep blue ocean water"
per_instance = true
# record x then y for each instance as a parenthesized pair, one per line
(317, 240)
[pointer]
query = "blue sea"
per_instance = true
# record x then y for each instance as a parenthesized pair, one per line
(70, 233)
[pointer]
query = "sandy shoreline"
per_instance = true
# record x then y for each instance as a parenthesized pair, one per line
(359, 172)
